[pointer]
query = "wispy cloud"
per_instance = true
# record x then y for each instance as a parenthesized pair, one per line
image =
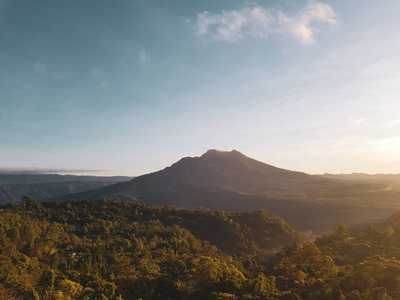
(393, 123)
(42, 70)
(257, 22)
(360, 120)
(144, 59)
(33, 170)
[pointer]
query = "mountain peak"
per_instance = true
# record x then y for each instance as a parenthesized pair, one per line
(216, 152)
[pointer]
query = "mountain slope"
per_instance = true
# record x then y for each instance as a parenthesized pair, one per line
(215, 170)
(234, 182)
(227, 172)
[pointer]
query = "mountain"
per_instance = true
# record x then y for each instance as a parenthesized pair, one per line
(234, 182)
(214, 171)
(382, 178)
(47, 178)
(13, 187)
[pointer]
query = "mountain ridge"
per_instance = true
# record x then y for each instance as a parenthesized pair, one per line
(13, 187)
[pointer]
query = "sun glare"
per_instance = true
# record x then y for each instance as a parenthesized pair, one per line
(388, 148)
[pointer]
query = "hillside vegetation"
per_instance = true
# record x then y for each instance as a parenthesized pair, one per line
(108, 249)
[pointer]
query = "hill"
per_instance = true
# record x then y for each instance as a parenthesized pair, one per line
(108, 249)
(118, 248)
(48, 178)
(234, 182)
(382, 178)
(13, 187)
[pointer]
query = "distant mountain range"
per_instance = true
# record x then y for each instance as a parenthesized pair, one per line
(232, 181)
(13, 187)
(382, 178)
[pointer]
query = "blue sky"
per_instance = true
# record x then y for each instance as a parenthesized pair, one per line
(132, 86)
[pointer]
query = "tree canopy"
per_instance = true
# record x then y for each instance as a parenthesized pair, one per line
(107, 249)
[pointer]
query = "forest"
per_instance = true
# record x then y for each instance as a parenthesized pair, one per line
(110, 249)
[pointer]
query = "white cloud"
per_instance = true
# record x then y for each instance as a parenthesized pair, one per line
(143, 57)
(231, 26)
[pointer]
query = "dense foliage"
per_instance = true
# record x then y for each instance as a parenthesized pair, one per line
(108, 249)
